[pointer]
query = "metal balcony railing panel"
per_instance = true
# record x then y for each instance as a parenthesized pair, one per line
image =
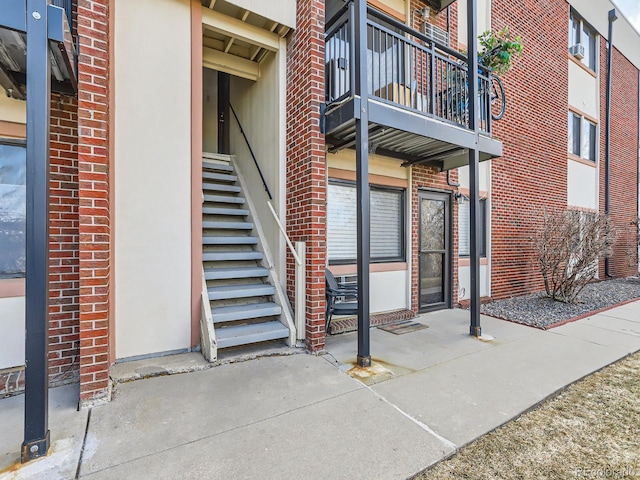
(68, 7)
(405, 69)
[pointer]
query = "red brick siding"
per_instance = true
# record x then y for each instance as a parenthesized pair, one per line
(306, 163)
(94, 212)
(439, 20)
(624, 156)
(532, 174)
(63, 242)
(428, 178)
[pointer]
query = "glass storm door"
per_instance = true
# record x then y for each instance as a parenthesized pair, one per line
(434, 251)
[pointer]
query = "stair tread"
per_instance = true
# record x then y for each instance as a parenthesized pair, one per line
(227, 225)
(253, 333)
(220, 187)
(221, 256)
(227, 292)
(240, 212)
(223, 199)
(238, 272)
(221, 177)
(219, 167)
(217, 156)
(232, 240)
(244, 312)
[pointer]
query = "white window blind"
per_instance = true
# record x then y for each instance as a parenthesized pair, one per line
(387, 212)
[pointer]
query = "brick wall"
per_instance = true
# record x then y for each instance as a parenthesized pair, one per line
(306, 164)
(94, 214)
(624, 157)
(63, 242)
(532, 174)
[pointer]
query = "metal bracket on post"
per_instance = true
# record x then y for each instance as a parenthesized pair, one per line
(36, 394)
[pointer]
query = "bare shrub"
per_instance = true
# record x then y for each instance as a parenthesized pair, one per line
(633, 247)
(569, 244)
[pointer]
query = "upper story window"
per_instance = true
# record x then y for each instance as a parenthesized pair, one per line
(581, 33)
(12, 208)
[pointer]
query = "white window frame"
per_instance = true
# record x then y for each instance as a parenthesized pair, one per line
(585, 143)
(589, 48)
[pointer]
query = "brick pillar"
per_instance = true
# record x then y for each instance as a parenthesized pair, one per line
(95, 221)
(306, 163)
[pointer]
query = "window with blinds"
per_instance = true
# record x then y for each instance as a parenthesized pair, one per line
(464, 228)
(387, 223)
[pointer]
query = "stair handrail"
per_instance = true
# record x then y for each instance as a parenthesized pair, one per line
(255, 161)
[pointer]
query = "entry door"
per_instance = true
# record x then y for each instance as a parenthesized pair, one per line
(434, 282)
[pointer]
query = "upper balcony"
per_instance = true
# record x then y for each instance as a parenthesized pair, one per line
(417, 94)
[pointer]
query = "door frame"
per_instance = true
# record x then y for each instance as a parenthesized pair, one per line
(448, 236)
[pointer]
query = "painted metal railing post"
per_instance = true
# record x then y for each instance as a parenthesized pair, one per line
(301, 291)
(36, 417)
(474, 167)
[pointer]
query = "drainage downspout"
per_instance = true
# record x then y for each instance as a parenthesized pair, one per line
(449, 182)
(607, 134)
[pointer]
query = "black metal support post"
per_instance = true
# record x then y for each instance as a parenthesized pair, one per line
(362, 184)
(224, 120)
(474, 167)
(36, 431)
(607, 132)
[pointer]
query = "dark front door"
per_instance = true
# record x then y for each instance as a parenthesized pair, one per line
(434, 280)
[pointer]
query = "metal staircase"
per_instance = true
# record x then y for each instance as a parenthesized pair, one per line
(238, 286)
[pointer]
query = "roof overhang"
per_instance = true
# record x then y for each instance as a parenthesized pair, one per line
(13, 49)
(439, 5)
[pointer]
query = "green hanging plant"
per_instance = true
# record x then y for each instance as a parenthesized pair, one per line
(498, 50)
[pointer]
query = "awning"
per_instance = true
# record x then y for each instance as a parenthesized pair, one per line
(13, 50)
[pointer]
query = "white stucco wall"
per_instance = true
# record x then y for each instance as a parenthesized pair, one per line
(583, 90)
(11, 332)
(464, 279)
(388, 291)
(152, 176)
(582, 185)
(12, 110)
(260, 108)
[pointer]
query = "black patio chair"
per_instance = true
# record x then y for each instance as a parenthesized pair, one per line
(334, 289)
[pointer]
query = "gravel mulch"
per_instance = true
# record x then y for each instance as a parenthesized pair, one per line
(539, 311)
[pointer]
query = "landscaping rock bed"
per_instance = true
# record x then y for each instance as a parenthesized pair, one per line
(539, 311)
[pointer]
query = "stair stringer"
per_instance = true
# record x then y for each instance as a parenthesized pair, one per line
(208, 342)
(280, 294)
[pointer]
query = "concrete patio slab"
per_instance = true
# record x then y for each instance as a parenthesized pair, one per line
(351, 436)
(152, 415)
(630, 312)
(621, 335)
(67, 426)
(466, 397)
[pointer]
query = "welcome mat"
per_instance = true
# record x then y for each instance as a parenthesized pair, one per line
(403, 327)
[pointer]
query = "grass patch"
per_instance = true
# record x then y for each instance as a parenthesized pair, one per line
(590, 430)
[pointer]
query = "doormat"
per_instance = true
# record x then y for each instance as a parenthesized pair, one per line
(403, 327)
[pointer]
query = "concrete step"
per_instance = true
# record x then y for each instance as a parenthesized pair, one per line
(227, 256)
(214, 240)
(220, 157)
(241, 291)
(250, 311)
(216, 166)
(247, 334)
(230, 273)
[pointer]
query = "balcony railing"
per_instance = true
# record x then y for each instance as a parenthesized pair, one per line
(405, 69)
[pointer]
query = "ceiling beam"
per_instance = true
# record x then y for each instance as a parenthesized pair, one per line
(231, 64)
(232, 27)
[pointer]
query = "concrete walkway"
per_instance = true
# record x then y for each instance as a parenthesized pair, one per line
(304, 417)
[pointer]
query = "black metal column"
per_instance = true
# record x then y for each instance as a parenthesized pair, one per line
(36, 430)
(607, 133)
(362, 184)
(224, 120)
(474, 168)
